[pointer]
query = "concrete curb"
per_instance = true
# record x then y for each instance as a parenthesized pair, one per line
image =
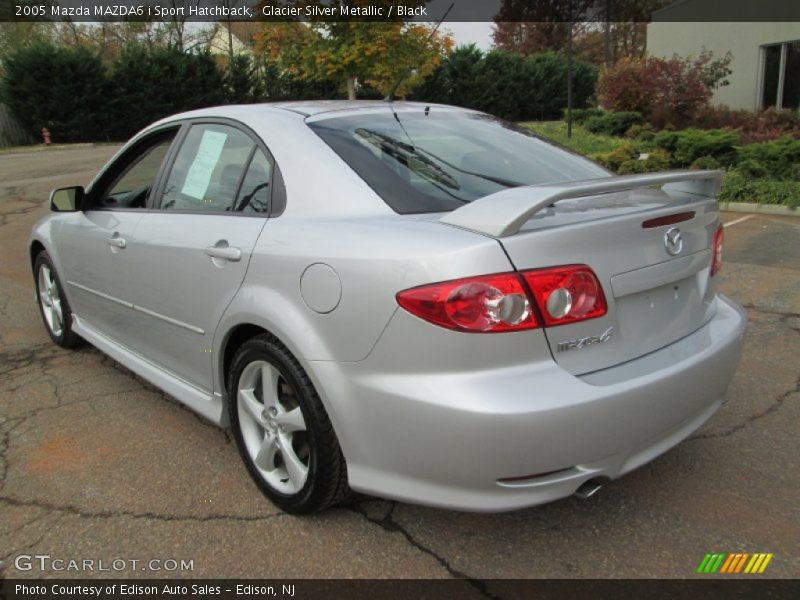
(764, 209)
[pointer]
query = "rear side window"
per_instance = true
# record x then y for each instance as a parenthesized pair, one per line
(435, 159)
(208, 169)
(254, 194)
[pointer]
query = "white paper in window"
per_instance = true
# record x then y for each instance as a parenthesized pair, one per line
(199, 175)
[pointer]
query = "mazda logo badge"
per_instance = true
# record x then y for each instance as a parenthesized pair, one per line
(673, 241)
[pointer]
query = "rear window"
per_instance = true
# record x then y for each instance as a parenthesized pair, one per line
(435, 160)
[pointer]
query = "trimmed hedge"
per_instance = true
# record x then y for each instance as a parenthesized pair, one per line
(508, 85)
(63, 89)
(581, 115)
(690, 144)
(71, 92)
(737, 187)
(778, 158)
(151, 84)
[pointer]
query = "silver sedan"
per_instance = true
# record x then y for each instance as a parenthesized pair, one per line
(413, 301)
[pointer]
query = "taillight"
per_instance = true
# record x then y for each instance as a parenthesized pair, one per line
(716, 257)
(567, 294)
(500, 303)
(488, 304)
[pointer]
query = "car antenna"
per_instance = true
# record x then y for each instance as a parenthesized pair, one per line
(404, 74)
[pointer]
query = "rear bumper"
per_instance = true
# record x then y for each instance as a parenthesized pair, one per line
(446, 437)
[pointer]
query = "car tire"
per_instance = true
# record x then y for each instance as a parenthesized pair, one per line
(283, 433)
(53, 305)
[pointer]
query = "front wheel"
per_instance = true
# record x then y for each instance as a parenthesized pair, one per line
(53, 304)
(282, 431)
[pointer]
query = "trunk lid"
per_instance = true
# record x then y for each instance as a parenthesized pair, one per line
(656, 292)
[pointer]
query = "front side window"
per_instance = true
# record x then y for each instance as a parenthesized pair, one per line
(133, 175)
(208, 169)
(434, 159)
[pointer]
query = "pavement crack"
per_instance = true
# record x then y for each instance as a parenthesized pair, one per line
(775, 405)
(37, 356)
(151, 516)
(14, 194)
(777, 313)
(61, 404)
(19, 528)
(27, 546)
(388, 523)
(5, 443)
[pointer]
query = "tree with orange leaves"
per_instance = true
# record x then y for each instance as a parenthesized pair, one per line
(375, 53)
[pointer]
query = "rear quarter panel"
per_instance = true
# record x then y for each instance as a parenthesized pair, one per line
(374, 259)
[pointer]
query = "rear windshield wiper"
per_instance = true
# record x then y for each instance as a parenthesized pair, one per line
(498, 180)
(409, 156)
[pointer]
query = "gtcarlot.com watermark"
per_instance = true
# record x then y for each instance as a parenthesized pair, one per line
(46, 562)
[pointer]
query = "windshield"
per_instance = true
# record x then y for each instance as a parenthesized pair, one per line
(435, 160)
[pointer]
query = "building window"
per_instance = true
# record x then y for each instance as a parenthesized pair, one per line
(781, 76)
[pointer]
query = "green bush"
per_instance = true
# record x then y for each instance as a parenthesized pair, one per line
(616, 158)
(63, 89)
(666, 140)
(705, 162)
(690, 144)
(793, 173)
(613, 123)
(581, 115)
(641, 133)
(777, 157)
(737, 187)
(657, 160)
(752, 169)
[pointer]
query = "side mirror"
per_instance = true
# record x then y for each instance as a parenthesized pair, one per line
(68, 199)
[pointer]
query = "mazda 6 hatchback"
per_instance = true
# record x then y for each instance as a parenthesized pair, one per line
(413, 301)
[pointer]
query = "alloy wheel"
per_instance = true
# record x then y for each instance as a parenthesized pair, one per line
(273, 427)
(50, 299)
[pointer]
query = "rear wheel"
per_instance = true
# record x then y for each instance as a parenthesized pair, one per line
(53, 304)
(282, 430)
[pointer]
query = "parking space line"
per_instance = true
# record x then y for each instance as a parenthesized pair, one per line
(740, 220)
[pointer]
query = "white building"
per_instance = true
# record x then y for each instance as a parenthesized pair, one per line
(225, 39)
(766, 56)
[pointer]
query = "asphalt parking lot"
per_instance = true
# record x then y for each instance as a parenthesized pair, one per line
(95, 463)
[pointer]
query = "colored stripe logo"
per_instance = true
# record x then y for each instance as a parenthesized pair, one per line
(734, 562)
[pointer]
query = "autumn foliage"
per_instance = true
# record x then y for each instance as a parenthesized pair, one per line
(664, 91)
(376, 54)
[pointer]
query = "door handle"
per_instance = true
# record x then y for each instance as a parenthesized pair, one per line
(117, 241)
(222, 250)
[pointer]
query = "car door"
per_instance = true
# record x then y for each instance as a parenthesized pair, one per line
(189, 255)
(92, 244)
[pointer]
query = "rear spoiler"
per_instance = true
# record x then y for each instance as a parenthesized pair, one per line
(503, 213)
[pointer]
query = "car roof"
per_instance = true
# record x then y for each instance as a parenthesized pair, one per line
(303, 109)
(316, 107)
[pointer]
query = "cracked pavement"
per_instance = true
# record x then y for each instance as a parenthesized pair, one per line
(96, 463)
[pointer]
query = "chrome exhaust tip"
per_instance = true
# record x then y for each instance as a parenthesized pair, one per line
(588, 489)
